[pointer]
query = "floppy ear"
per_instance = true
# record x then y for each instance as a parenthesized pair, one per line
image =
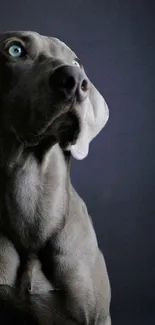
(93, 115)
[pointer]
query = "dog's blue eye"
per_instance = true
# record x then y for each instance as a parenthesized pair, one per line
(75, 62)
(15, 51)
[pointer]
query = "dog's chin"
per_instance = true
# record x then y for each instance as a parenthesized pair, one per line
(65, 134)
(64, 129)
(29, 139)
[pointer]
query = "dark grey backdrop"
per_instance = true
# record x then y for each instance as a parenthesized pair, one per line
(116, 41)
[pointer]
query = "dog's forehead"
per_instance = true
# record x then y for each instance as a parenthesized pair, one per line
(43, 44)
(50, 45)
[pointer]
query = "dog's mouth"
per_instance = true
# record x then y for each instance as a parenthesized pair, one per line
(32, 139)
(62, 128)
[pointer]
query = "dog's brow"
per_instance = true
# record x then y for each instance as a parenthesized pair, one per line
(24, 38)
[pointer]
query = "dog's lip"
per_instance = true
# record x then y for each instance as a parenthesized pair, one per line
(33, 139)
(30, 139)
(48, 125)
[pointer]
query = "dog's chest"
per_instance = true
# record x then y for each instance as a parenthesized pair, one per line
(23, 218)
(35, 200)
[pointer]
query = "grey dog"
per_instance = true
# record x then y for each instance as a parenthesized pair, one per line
(51, 268)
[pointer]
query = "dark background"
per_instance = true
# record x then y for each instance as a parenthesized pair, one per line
(116, 42)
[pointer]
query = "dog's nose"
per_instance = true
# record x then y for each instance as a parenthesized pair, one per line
(70, 81)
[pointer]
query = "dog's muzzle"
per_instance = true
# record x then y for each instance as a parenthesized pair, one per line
(69, 82)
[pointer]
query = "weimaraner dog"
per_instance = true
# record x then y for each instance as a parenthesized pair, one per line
(51, 268)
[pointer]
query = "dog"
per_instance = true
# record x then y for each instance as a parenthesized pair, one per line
(51, 268)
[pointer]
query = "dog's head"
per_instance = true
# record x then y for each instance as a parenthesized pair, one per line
(44, 92)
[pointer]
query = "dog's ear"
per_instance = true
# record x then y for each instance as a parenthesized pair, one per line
(93, 115)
